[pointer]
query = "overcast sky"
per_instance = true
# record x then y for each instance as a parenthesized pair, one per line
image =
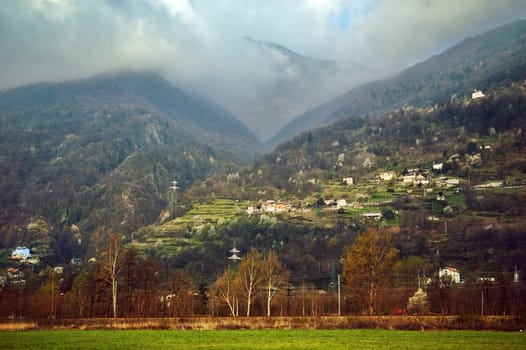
(199, 42)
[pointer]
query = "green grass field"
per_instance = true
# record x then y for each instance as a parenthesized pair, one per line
(260, 339)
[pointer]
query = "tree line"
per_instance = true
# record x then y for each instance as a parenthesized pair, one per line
(123, 283)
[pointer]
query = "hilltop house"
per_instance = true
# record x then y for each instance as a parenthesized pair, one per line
(477, 94)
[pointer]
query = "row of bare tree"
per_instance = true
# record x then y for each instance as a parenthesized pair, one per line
(123, 283)
(255, 275)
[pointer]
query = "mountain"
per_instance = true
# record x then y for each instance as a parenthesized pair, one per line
(290, 84)
(97, 155)
(482, 62)
(461, 162)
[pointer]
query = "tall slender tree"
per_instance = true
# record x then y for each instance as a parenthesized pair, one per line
(249, 276)
(110, 267)
(275, 277)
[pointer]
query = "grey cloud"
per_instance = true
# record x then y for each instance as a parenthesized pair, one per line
(199, 44)
(398, 34)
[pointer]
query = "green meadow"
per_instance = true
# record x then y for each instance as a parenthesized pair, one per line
(260, 339)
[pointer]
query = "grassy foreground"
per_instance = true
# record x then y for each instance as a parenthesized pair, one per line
(260, 339)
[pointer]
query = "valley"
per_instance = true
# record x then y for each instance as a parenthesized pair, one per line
(125, 180)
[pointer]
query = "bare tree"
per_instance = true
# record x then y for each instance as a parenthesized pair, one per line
(249, 276)
(110, 267)
(275, 277)
(224, 289)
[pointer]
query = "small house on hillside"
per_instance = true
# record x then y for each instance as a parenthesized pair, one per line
(448, 275)
(341, 203)
(374, 215)
(348, 180)
(438, 166)
(387, 176)
(409, 179)
(477, 94)
(441, 196)
(21, 254)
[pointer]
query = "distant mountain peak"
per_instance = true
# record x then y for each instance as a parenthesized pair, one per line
(294, 83)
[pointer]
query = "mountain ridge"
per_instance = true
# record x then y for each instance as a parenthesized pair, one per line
(100, 153)
(474, 63)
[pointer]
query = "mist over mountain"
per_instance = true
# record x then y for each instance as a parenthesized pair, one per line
(293, 84)
(141, 140)
(479, 62)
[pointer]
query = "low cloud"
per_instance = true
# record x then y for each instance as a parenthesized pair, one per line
(199, 44)
(398, 34)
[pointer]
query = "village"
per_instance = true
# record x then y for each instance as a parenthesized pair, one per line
(414, 182)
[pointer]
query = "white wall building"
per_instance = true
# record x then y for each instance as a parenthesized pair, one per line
(449, 275)
(477, 94)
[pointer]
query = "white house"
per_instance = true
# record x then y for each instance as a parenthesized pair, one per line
(341, 203)
(449, 274)
(421, 180)
(438, 166)
(348, 180)
(329, 201)
(477, 94)
(387, 176)
(269, 206)
(374, 215)
(409, 179)
(21, 254)
(453, 182)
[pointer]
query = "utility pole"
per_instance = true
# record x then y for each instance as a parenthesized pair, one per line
(339, 297)
(173, 197)
(303, 298)
(482, 303)
(52, 292)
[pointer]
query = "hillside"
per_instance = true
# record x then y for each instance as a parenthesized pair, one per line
(446, 181)
(490, 59)
(83, 158)
(294, 199)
